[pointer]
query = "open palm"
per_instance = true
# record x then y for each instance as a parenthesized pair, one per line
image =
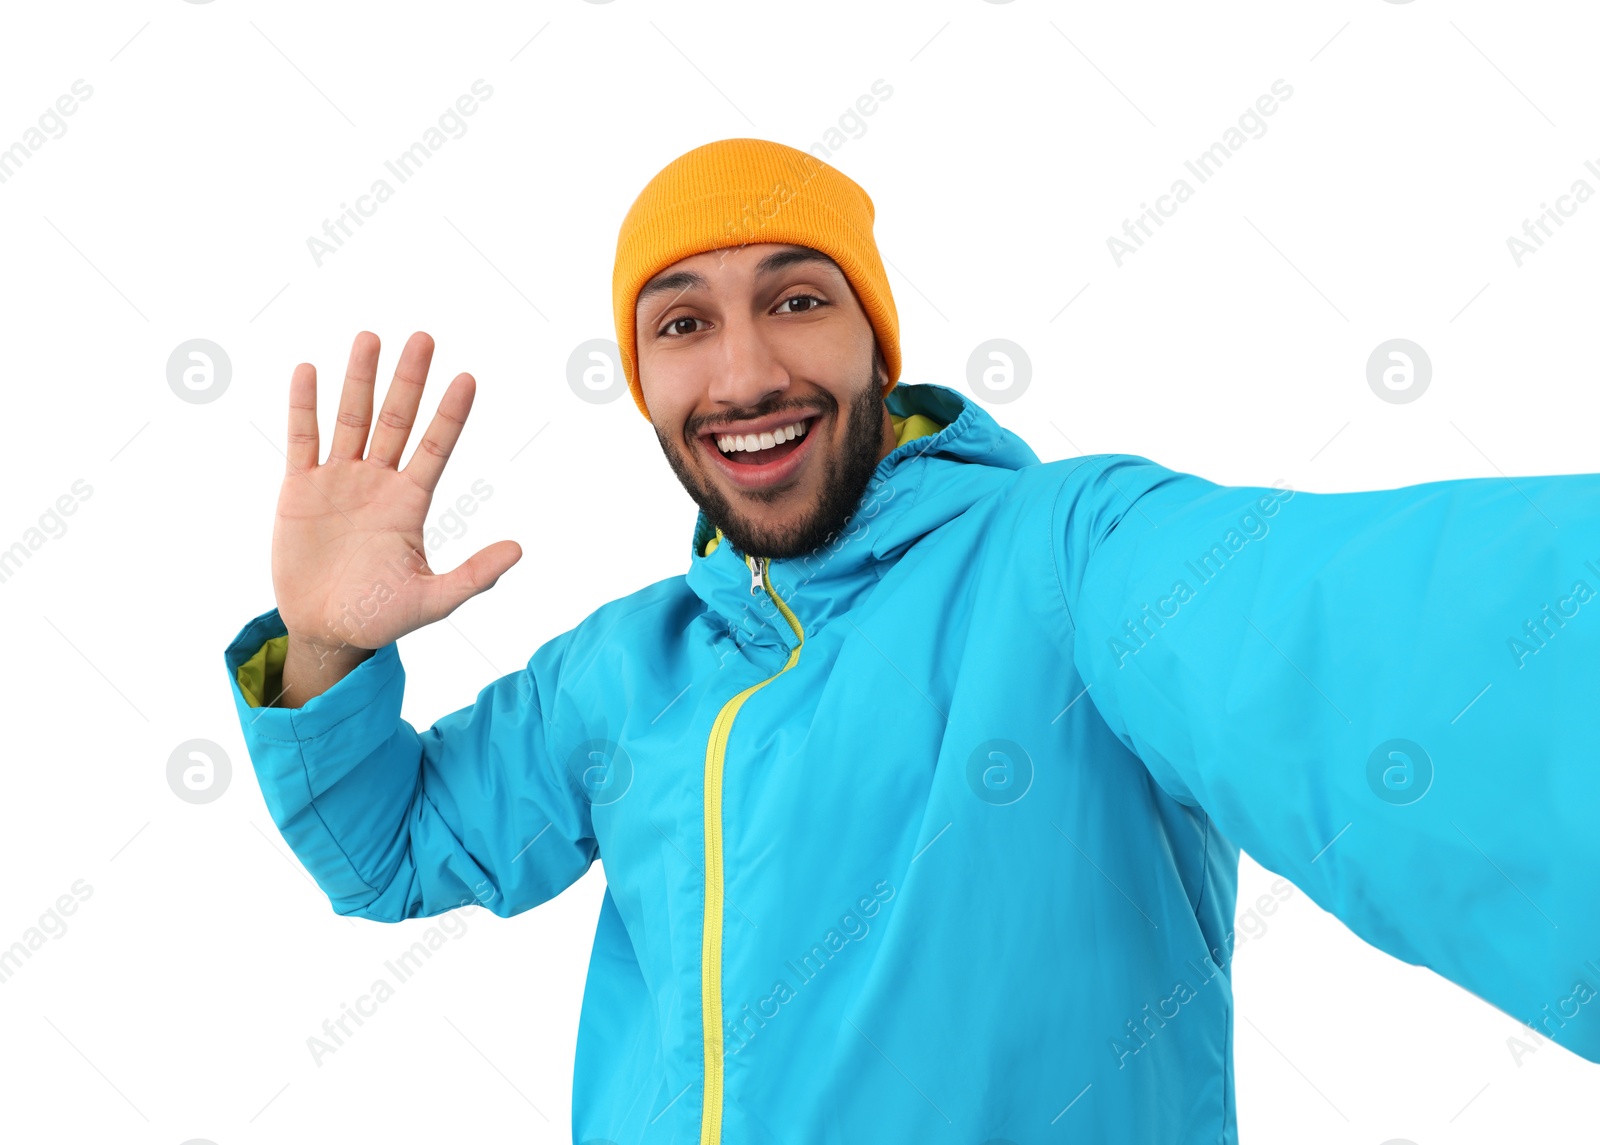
(348, 567)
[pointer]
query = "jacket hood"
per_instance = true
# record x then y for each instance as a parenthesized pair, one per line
(917, 487)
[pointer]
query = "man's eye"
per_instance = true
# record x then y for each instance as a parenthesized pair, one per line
(675, 324)
(803, 298)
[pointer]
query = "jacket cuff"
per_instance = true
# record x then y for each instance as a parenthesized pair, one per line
(260, 678)
(249, 659)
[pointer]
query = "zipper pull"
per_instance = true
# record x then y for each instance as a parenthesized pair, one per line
(755, 564)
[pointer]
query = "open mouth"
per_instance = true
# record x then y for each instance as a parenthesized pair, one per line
(761, 448)
(770, 457)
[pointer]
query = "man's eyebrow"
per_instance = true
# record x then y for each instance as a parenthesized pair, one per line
(677, 282)
(682, 281)
(781, 259)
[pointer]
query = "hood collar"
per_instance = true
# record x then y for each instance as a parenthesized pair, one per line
(915, 488)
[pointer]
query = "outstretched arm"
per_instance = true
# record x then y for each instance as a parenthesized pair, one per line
(1390, 697)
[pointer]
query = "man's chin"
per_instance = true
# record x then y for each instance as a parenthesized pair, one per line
(801, 515)
(772, 500)
(781, 543)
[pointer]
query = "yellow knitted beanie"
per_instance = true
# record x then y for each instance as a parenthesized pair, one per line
(739, 191)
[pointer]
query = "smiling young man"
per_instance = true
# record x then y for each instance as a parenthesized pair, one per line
(766, 385)
(920, 794)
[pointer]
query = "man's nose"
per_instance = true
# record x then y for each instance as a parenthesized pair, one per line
(748, 369)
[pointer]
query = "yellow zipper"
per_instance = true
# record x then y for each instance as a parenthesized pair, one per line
(711, 932)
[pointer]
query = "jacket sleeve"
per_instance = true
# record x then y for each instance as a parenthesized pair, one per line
(1392, 698)
(394, 823)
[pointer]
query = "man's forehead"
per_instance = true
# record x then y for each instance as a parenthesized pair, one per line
(684, 275)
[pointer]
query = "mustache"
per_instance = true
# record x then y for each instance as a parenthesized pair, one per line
(696, 427)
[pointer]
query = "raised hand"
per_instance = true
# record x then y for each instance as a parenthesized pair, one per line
(348, 567)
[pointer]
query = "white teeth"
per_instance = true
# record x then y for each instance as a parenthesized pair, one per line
(753, 442)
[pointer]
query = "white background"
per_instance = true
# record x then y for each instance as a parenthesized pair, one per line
(1018, 137)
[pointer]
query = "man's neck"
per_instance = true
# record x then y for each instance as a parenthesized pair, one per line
(887, 438)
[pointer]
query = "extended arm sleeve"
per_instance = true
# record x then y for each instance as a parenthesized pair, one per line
(1390, 697)
(394, 823)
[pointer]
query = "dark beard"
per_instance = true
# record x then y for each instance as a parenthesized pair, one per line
(842, 487)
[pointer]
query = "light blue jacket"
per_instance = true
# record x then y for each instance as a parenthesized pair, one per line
(932, 836)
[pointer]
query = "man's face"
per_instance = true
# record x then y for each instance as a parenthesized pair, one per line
(750, 340)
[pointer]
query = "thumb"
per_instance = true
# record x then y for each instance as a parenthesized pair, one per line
(478, 572)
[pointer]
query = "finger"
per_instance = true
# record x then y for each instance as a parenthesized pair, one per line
(399, 411)
(355, 400)
(478, 572)
(428, 459)
(302, 442)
